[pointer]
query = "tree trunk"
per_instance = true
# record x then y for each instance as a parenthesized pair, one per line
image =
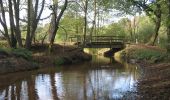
(85, 22)
(13, 39)
(28, 36)
(17, 26)
(3, 23)
(168, 26)
(158, 15)
(54, 25)
(93, 29)
(33, 20)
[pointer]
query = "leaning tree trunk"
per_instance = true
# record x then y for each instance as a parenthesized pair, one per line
(54, 25)
(158, 15)
(4, 24)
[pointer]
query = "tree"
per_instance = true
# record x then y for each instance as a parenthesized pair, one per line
(14, 35)
(168, 25)
(55, 20)
(151, 8)
(33, 20)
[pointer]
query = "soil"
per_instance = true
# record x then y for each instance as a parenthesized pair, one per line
(10, 64)
(60, 55)
(42, 58)
(154, 83)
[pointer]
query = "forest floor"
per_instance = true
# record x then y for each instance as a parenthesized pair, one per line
(154, 83)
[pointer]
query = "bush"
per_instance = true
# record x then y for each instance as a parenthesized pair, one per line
(21, 52)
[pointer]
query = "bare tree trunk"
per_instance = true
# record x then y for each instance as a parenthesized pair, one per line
(93, 30)
(12, 26)
(28, 36)
(85, 22)
(54, 25)
(3, 23)
(17, 26)
(33, 20)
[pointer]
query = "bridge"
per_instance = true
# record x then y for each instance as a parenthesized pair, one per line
(114, 42)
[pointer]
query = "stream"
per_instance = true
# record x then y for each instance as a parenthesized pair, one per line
(100, 79)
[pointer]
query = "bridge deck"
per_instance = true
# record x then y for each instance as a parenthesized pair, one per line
(100, 41)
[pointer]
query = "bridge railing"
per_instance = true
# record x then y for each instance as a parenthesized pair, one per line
(79, 38)
(108, 38)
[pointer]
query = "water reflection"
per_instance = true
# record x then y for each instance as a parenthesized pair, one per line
(101, 79)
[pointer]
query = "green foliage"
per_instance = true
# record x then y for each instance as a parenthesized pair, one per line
(71, 24)
(21, 52)
(147, 54)
(146, 29)
(115, 29)
(3, 44)
(143, 54)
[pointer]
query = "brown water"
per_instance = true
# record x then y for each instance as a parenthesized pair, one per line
(101, 79)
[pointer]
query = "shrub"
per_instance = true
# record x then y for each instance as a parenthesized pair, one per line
(21, 52)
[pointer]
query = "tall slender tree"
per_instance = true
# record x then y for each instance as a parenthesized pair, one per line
(55, 20)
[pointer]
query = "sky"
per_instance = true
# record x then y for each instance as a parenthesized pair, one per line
(108, 20)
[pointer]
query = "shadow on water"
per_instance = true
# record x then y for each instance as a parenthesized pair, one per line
(101, 79)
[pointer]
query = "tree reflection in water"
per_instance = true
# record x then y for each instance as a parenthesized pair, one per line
(101, 79)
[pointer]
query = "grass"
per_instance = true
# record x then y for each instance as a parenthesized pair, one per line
(144, 53)
(19, 52)
(22, 52)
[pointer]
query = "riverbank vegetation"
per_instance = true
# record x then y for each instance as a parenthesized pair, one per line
(140, 53)
(37, 32)
(154, 64)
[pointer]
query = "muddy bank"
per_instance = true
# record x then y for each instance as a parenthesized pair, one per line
(9, 64)
(154, 83)
(22, 60)
(61, 55)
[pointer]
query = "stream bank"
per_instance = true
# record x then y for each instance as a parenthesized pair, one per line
(154, 83)
(14, 60)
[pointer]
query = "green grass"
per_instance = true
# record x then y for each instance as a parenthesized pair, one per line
(22, 52)
(143, 54)
(19, 52)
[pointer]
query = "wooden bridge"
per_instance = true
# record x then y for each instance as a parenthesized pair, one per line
(115, 42)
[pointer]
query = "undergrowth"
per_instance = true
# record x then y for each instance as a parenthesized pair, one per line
(19, 52)
(147, 54)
